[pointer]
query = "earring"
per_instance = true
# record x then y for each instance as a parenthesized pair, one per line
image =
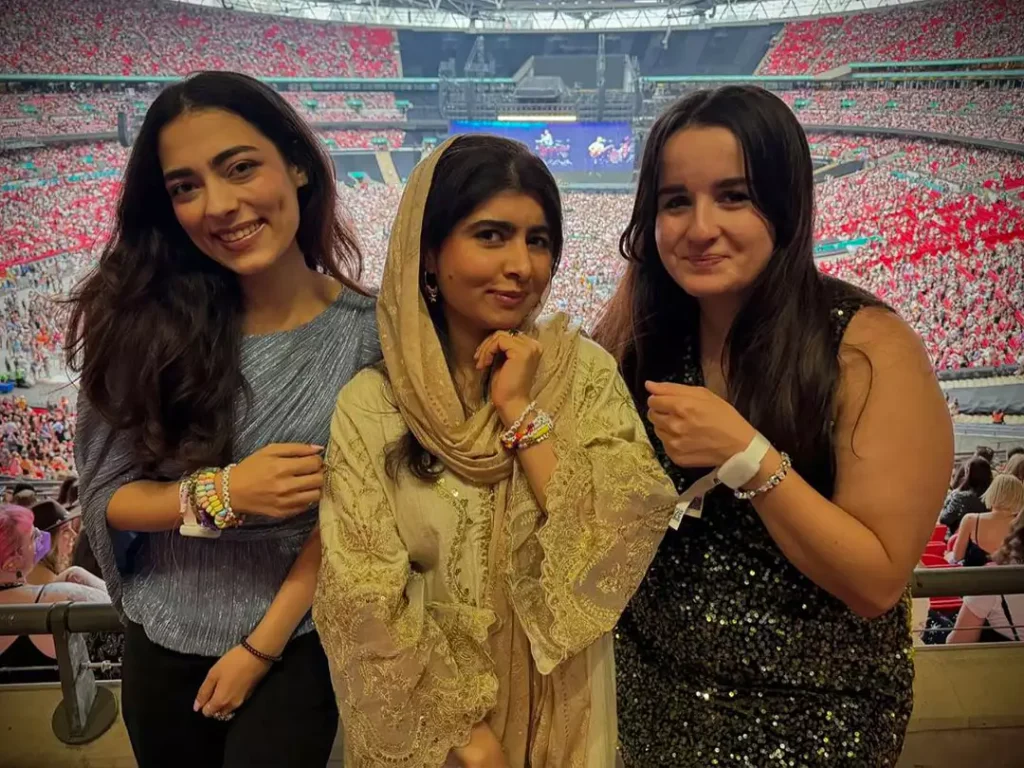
(430, 286)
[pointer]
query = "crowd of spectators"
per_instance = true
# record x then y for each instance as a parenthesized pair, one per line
(115, 37)
(974, 112)
(36, 443)
(956, 29)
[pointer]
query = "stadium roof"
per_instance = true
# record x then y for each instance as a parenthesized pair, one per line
(551, 15)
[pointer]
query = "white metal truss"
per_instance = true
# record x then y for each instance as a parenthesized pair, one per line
(553, 15)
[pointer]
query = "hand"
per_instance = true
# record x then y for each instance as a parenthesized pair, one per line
(515, 358)
(280, 480)
(230, 682)
(78, 575)
(696, 426)
(483, 751)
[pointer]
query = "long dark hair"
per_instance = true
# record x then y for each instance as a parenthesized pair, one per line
(781, 360)
(156, 327)
(472, 170)
(977, 475)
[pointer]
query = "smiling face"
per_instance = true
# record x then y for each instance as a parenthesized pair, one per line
(711, 237)
(231, 190)
(493, 268)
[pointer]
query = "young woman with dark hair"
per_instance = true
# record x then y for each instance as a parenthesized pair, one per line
(491, 499)
(805, 421)
(221, 321)
(965, 498)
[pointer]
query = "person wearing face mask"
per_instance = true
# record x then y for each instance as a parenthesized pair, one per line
(22, 547)
(773, 627)
(491, 499)
(221, 321)
(62, 527)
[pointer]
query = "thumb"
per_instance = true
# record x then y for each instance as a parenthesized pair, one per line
(205, 691)
(293, 450)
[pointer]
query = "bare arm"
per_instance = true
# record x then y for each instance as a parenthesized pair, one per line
(145, 506)
(894, 451)
(292, 601)
(963, 537)
(968, 627)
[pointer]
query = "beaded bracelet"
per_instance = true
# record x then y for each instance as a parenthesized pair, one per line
(537, 431)
(769, 484)
(214, 512)
(509, 438)
(191, 526)
(244, 642)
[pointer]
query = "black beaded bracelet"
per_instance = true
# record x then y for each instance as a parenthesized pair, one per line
(259, 654)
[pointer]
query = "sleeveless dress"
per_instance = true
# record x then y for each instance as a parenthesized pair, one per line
(729, 656)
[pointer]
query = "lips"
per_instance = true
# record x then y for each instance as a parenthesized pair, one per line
(509, 298)
(239, 233)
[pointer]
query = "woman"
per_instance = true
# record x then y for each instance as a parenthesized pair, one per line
(62, 527)
(472, 567)
(22, 546)
(773, 627)
(217, 329)
(980, 534)
(994, 618)
(1015, 466)
(965, 498)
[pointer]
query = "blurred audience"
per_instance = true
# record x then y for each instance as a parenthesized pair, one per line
(965, 499)
(981, 534)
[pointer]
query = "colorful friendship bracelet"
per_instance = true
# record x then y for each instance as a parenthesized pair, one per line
(214, 512)
(537, 430)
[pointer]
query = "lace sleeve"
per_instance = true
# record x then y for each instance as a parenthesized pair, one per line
(412, 677)
(608, 505)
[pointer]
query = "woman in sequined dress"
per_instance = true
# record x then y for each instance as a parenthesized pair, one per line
(774, 631)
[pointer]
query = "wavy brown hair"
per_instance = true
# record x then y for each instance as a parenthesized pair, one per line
(781, 359)
(156, 329)
(1012, 550)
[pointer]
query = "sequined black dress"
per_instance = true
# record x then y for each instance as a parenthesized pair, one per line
(729, 656)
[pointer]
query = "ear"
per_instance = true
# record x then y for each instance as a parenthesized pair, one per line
(299, 176)
(430, 262)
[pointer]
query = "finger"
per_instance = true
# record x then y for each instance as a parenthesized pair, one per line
(666, 388)
(215, 706)
(304, 484)
(205, 692)
(307, 465)
(293, 450)
(663, 404)
(485, 353)
(300, 502)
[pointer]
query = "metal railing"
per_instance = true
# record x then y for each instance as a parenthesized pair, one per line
(88, 710)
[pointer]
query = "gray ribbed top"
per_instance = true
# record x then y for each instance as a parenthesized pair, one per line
(199, 595)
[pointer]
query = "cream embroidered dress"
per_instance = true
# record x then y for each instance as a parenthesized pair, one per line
(443, 604)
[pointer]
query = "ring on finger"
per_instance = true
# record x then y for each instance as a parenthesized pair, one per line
(223, 716)
(514, 332)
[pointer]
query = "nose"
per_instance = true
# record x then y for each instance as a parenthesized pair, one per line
(518, 264)
(703, 225)
(221, 200)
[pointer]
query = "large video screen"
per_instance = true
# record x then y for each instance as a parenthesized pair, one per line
(565, 146)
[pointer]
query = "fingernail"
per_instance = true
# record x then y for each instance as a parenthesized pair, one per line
(317, 447)
(195, 706)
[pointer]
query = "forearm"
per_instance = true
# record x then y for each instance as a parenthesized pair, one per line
(828, 545)
(538, 461)
(292, 601)
(145, 506)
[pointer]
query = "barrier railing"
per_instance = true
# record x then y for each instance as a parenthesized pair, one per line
(88, 710)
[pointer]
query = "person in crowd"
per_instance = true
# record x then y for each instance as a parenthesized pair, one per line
(994, 618)
(491, 499)
(62, 527)
(1015, 451)
(965, 498)
(22, 546)
(982, 452)
(1015, 466)
(67, 496)
(981, 534)
(25, 496)
(776, 398)
(221, 321)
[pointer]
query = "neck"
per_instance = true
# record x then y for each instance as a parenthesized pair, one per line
(462, 345)
(285, 296)
(716, 318)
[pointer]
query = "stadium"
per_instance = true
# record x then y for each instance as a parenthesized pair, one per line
(913, 111)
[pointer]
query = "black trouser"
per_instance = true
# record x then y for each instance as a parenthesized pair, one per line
(290, 719)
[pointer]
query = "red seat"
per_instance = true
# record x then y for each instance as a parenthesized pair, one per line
(931, 560)
(941, 604)
(939, 534)
(936, 548)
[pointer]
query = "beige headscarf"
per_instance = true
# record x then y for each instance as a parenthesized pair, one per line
(419, 375)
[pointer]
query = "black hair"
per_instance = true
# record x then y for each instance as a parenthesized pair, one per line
(782, 334)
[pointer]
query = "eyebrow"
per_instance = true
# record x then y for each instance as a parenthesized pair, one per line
(507, 226)
(219, 159)
(734, 181)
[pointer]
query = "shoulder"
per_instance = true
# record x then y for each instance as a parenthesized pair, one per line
(356, 314)
(879, 344)
(366, 392)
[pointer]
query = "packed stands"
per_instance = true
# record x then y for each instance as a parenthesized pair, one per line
(957, 29)
(112, 37)
(35, 443)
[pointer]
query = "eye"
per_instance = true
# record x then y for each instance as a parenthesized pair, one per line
(540, 241)
(489, 236)
(735, 197)
(675, 201)
(181, 188)
(243, 167)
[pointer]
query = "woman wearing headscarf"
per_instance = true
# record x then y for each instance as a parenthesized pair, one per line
(491, 499)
